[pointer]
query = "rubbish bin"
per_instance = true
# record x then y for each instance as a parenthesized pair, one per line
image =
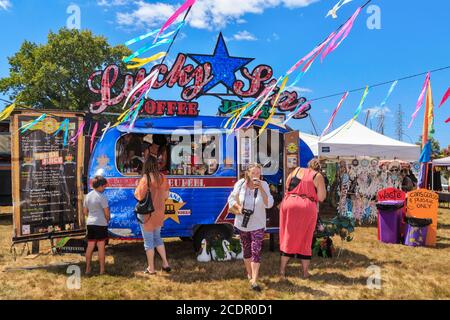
(416, 231)
(389, 218)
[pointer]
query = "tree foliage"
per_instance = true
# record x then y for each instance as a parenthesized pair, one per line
(55, 75)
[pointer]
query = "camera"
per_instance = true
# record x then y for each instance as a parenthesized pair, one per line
(247, 213)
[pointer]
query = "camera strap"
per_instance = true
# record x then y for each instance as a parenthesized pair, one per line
(254, 198)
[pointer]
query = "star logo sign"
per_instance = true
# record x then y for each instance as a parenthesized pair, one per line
(223, 66)
(171, 210)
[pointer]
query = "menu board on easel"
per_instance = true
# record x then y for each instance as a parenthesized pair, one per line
(46, 177)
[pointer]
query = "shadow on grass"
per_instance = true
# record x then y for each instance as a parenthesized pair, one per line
(288, 287)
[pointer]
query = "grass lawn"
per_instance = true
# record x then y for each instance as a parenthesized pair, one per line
(407, 273)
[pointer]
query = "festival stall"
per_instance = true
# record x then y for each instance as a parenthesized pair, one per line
(358, 162)
(442, 167)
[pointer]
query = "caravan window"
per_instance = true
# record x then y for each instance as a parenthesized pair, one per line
(194, 155)
(177, 155)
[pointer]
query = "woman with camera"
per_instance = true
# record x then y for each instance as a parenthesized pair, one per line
(249, 200)
(298, 214)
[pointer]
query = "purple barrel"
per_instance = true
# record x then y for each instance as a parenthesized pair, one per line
(389, 218)
(416, 231)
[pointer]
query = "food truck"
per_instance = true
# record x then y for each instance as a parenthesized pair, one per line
(197, 206)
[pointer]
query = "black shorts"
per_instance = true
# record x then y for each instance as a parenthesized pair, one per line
(97, 233)
(295, 255)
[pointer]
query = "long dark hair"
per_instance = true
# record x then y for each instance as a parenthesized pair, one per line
(151, 167)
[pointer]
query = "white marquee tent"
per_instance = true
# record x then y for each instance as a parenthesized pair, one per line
(358, 140)
(312, 141)
(444, 162)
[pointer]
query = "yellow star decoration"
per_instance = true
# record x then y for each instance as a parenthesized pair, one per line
(171, 210)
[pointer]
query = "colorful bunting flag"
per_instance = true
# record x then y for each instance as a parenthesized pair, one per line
(336, 7)
(30, 125)
(391, 89)
(325, 131)
(144, 49)
(94, 132)
(79, 132)
(420, 100)
(105, 129)
(7, 112)
(185, 6)
(142, 62)
(445, 97)
(343, 33)
(360, 107)
(430, 115)
(64, 126)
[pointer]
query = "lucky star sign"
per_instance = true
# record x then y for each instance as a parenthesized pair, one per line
(223, 65)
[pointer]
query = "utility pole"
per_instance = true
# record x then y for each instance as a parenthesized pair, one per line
(399, 123)
(367, 117)
(380, 128)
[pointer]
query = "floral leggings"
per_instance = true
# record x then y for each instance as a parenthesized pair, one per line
(252, 244)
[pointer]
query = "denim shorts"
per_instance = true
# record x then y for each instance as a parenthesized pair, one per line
(152, 239)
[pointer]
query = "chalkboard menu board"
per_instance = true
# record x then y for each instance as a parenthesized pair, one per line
(46, 177)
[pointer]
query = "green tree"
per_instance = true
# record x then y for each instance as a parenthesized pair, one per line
(54, 75)
(435, 147)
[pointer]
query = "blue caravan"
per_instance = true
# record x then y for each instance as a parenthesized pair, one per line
(197, 205)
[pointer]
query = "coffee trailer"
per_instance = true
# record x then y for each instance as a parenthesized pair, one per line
(197, 206)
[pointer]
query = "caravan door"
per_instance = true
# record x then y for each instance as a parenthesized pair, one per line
(291, 154)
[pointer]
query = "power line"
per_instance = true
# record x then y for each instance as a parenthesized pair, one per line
(381, 83)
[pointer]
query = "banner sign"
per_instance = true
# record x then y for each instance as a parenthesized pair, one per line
(112, 88)
(46, 178)
(391, 194)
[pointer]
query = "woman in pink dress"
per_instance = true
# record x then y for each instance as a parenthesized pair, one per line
(298, 214)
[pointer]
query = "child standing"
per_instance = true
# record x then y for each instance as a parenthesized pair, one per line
(96, 209)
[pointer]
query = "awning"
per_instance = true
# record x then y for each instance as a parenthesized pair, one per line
(443, 162)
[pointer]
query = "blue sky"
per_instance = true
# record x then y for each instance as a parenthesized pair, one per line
(413, 38)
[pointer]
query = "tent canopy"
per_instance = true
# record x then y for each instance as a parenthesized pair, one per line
(312, 141)
(444, 162)
(358, 140)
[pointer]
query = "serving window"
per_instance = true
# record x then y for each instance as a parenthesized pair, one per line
(187, 155)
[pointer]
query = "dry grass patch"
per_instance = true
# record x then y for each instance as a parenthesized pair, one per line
(407, 273)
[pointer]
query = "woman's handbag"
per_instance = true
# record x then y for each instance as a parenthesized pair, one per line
(234, 210)
(145, 206)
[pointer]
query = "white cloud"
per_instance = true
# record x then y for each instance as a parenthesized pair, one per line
(244, 36)
(112, 3)
(205, 14)
(300, 89)
(5, 4)
(376, 111)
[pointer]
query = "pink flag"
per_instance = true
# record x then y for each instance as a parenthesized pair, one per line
(420, 100)
(446, 95)
(334, 114)
(180, 10)
(309, 55)
(344, 32)
(94, 132)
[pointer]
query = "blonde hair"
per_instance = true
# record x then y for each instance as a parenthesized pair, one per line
(250, 167)
(314, 164)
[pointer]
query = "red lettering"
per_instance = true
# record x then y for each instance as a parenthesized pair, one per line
(192, 109)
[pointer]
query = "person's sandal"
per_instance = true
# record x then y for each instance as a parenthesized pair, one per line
(148, 272)
(255, 287)
(167, 269)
